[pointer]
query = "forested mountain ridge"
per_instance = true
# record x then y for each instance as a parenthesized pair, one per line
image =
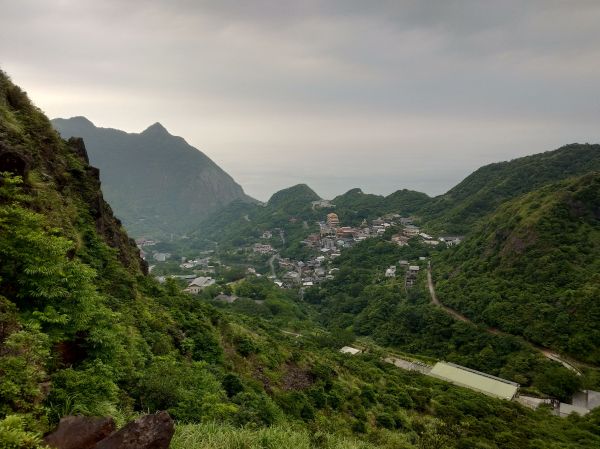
(532, 268)
(157, 183)
(485, 189)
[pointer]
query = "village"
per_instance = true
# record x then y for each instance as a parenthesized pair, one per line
(333, 237)
(326, 244)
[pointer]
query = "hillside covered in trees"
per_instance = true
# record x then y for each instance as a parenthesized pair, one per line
(83, 330)
(488, 187)
(532, 268)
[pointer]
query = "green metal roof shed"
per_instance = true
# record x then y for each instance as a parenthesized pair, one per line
(475, 380)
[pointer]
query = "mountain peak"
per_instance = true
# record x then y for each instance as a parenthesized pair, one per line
(78, 120)
(155, 129)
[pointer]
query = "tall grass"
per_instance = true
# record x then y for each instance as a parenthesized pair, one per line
(220, 436)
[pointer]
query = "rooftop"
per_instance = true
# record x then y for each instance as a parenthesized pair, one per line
(475, 380)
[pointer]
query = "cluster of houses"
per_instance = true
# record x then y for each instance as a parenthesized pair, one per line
(410, 272)
(332, 236)
(410, 231)
(304, 274)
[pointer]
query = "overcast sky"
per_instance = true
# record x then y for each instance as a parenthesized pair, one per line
(380, 95)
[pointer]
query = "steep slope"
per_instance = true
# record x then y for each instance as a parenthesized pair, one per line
(532, 268)
(157, 183)
(488, 187)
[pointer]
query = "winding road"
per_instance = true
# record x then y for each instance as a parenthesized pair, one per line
(548, 353)
(271, 260)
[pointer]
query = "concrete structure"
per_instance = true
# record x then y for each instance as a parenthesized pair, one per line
(533, 402)
(408, 365)
(350, 350)
(566, 409)
(475, 380)
(588, 399)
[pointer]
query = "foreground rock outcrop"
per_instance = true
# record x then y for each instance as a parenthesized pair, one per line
(81, 432)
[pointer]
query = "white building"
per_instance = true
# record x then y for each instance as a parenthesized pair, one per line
(199, 284)
(390, 272)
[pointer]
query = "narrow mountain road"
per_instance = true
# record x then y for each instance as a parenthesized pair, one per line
(435, 301)
(272, 266)
(548, 353)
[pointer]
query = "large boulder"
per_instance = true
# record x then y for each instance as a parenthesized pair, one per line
(148, 432)
(80, 432)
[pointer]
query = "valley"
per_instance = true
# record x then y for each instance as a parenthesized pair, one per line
(235, 326)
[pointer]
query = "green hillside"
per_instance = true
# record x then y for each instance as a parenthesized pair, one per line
(84, 331)
(355, 205)
(485, 189)
(293, 199)
(532, 268)
(157, 183)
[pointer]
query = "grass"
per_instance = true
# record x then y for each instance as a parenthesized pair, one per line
(222, 436)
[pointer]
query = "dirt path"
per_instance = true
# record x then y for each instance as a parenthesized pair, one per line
(548, 353)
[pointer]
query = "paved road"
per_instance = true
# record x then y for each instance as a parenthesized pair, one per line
(548, 353)
(271, 265)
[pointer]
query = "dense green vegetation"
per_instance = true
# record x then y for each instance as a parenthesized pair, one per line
(362, 300)
(532, 268)
(83, 330)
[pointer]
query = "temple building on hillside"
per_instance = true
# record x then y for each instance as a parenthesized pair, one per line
(333, 220)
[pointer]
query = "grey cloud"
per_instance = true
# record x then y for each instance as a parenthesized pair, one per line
(473, 80)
